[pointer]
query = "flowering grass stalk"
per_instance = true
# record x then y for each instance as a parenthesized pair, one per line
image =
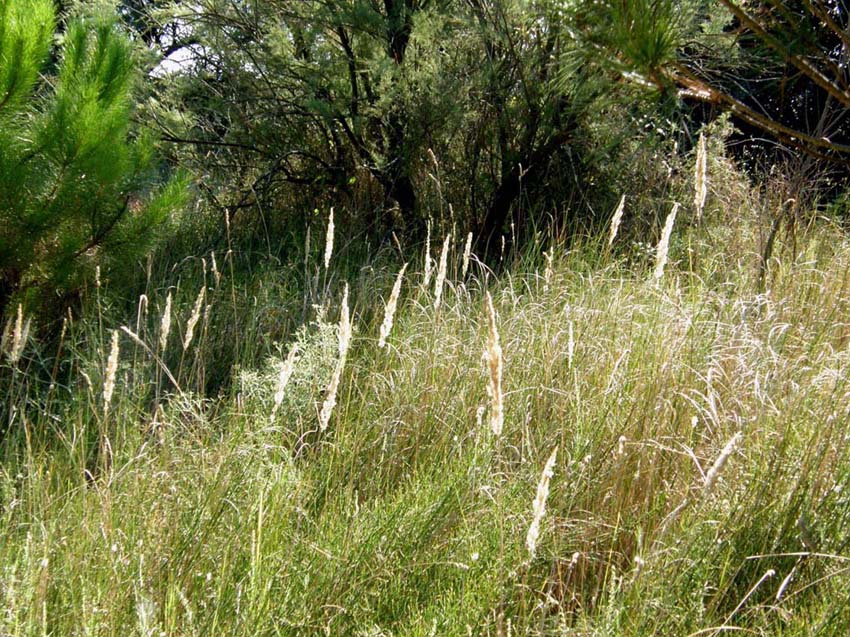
(390, 308)
(539, 508)
(663, 248)
(344, 340)
(494, 363)
(441, 273)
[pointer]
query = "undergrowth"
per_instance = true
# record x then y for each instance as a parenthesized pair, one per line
(700, 485)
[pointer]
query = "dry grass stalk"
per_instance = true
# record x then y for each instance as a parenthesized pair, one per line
(165, 323)
(283, 378)
(433, 158)
(329, 240)
(193, 319)
(441, 273)
(344, 336)
(111, 370)
(714, 473)
(390, 309)
(18, 336)
(701, 177)
(467, 253)
(549, 271)
(494, 361)
(663, 248)
(428, 261)
(142, 309)
(540, 503)
(571, 344)
(216, 273)
(616, 220)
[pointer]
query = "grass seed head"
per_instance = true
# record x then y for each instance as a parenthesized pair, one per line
(194, 318)
(111, 371)
(441, 273)
(713, 474)
(390, 309)
(616, 220)
(216, 273)
(284, 376)
(539, 508)
(428, 262)
(549, 271)
(663, 248)
(329, 240)
(494, 361)
(165, 323)
(344, 336)
(19, 335)
(467, 253)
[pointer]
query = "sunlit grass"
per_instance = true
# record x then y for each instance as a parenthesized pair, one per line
(700, 483)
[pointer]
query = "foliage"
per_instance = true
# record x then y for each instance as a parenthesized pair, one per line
(393, 112)
(778, 67)
(78, 186)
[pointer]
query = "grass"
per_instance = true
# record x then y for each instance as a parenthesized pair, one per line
(222, 512)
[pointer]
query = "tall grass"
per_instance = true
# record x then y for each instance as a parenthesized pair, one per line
(700, 484)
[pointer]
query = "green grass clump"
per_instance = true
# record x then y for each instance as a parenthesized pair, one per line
(193, 506)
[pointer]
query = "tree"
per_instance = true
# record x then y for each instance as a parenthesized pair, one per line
(306, 94)
(78, 186)
(292, 105)
(780, 67)
(534, 124)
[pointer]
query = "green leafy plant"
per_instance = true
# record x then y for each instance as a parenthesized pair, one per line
(79, 187)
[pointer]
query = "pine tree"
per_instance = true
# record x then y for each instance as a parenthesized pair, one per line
(79, 186)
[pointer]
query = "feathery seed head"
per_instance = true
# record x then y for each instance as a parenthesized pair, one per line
(714, 473)
(20, 332)
(539, 509)
(467, 253)
(165, 323)
(441, 273)
(616, 220)
(194, 318)
(494, 361)
(433, 158)
(216, 273)
(111, 370)
(664, 243)
(344, 335)
(6, 339)
(286, 370)
(428, 262)
(390, 309)
(329, 240)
